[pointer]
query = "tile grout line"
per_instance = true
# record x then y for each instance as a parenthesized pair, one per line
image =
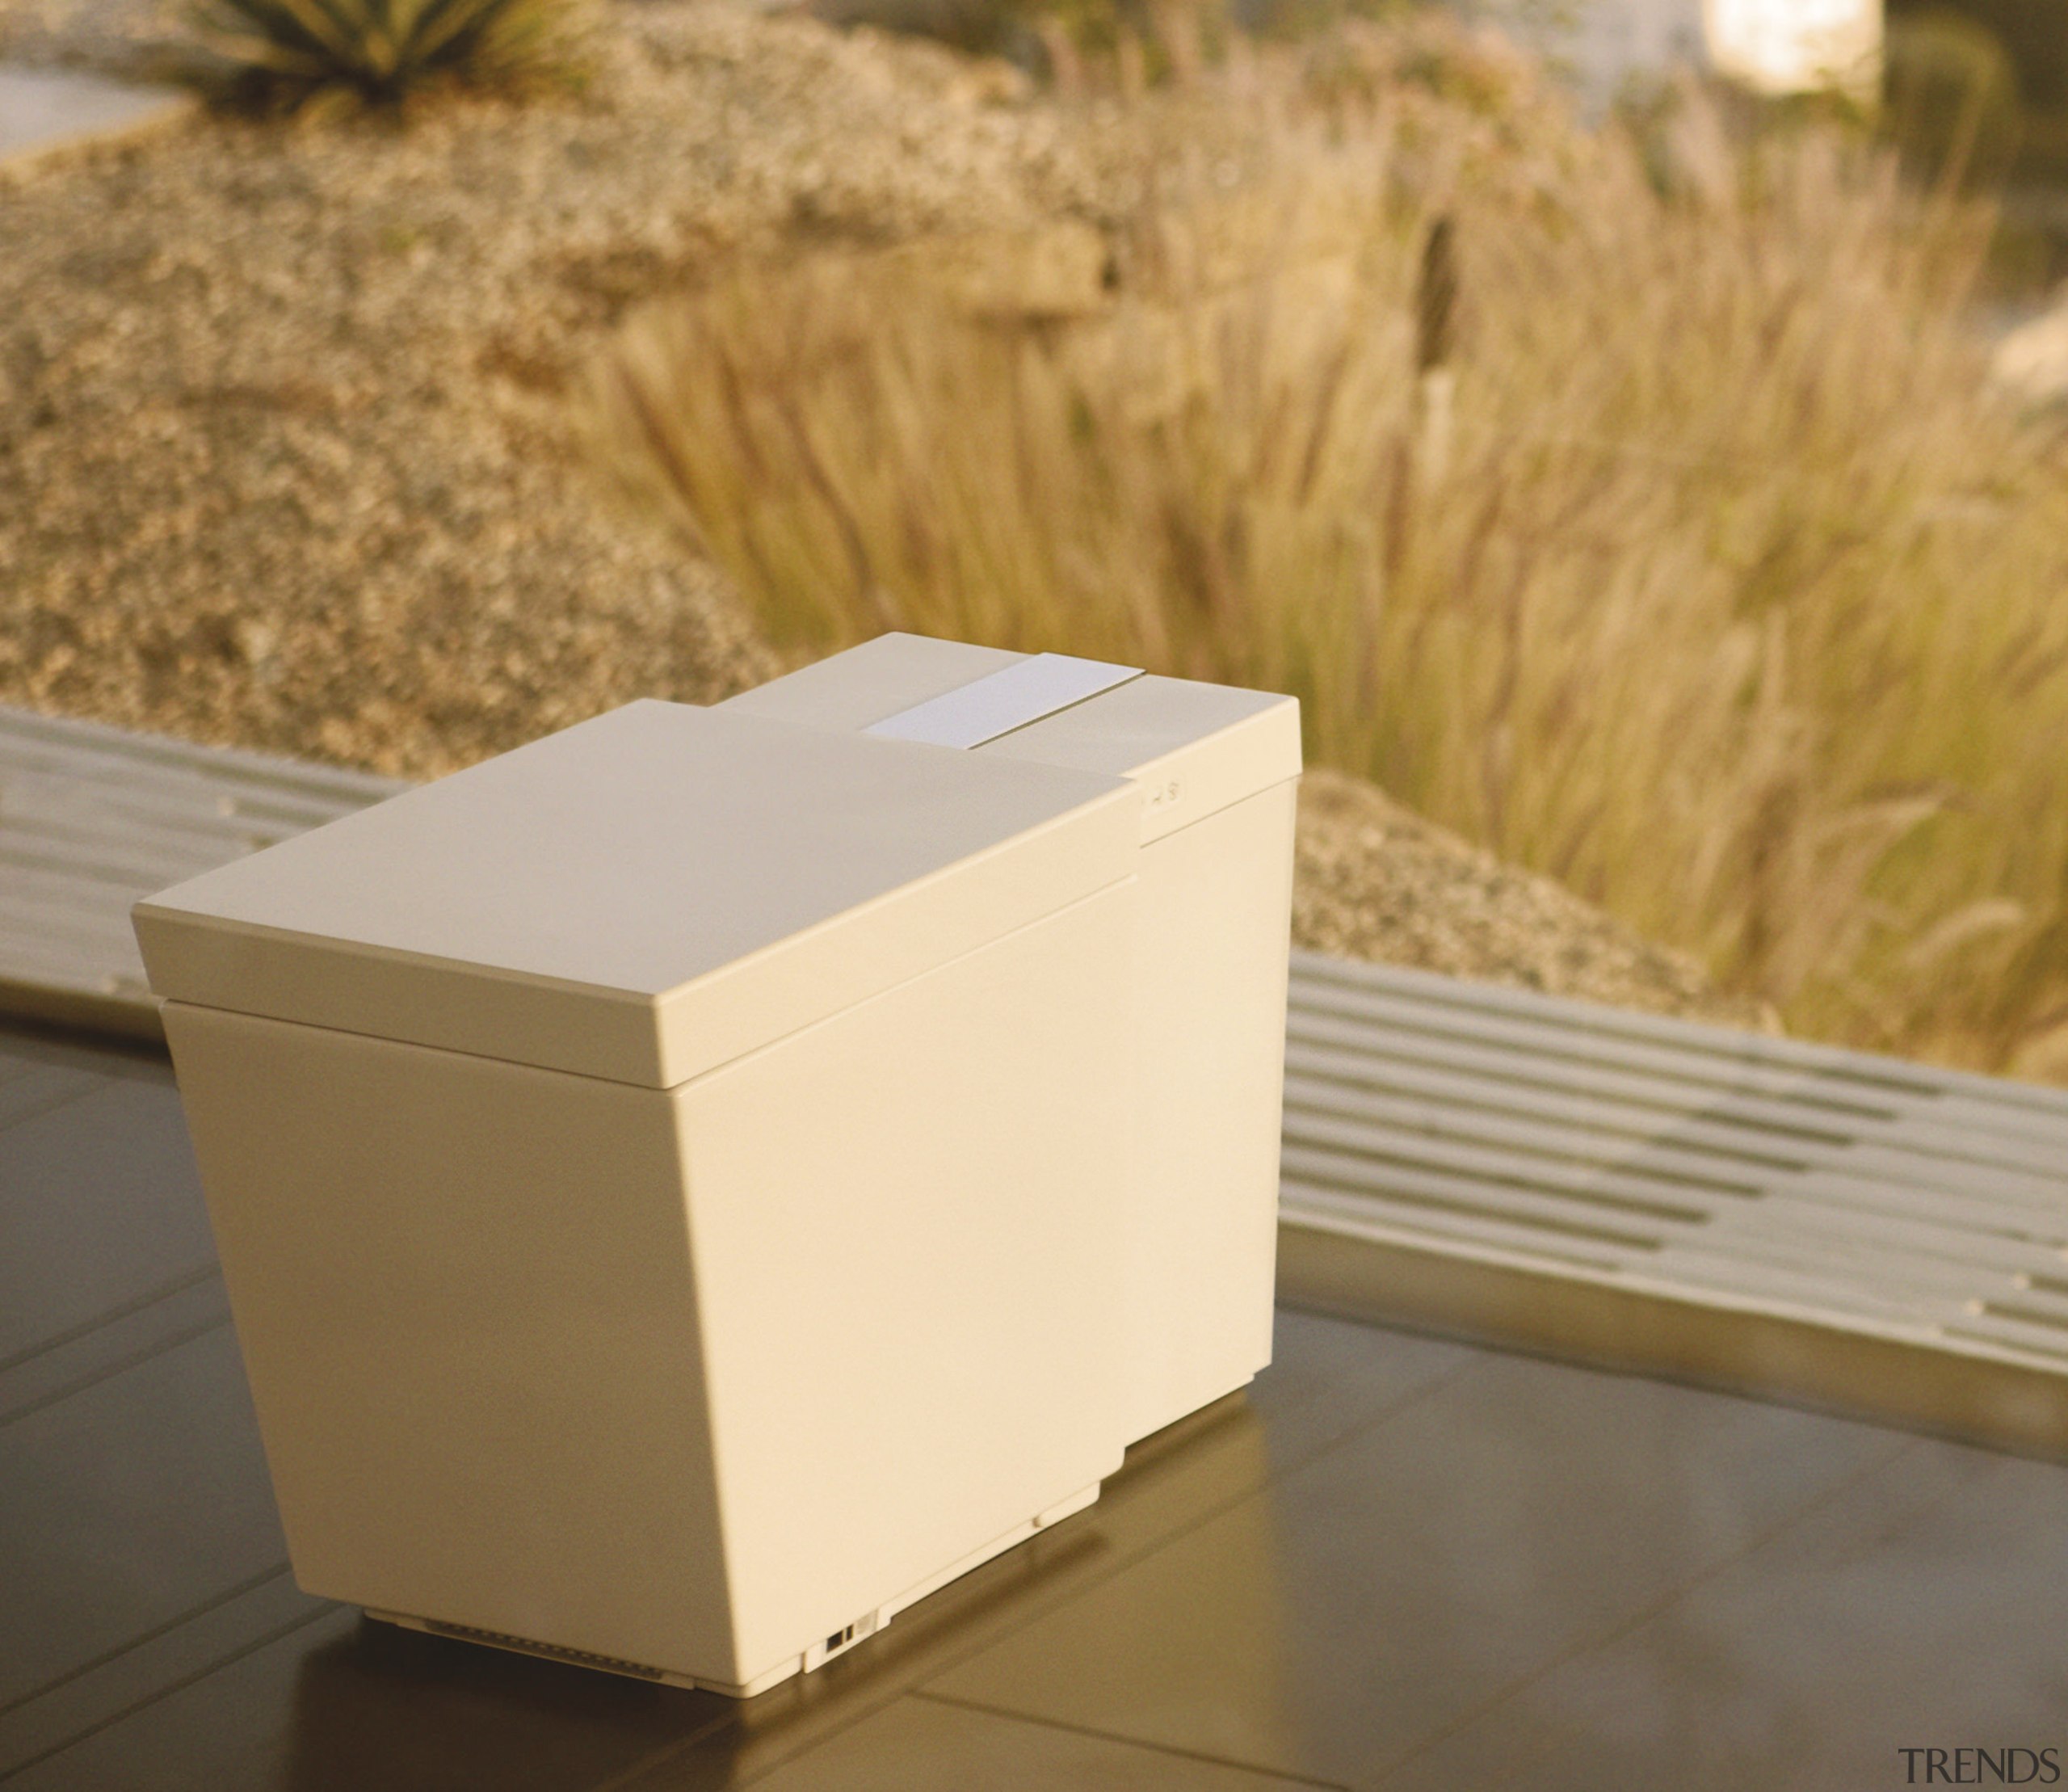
(1473, 1363)
(666, 1751)
(178, 1685)
(1650, 1609)
(1930, 1505)
(1271, 1775)
(108, 1370)
(40, 1110)
(126, 1310)
(1427, 1389)
(262, 1578)
(1406, 1401)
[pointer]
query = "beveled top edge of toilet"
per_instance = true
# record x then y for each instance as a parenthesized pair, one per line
(661, 861)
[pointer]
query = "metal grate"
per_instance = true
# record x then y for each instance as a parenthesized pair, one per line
(1547, 1172)
(92, 818)
(552, 1651)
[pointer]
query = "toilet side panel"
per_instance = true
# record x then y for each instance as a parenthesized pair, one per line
(463, 1293)
(1202, 1223)
(905, 1226)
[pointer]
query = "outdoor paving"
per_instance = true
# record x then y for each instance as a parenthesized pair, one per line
(1397, 1562)
(43, 109)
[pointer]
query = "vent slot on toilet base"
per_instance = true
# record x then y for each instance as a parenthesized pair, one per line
(552, 1651)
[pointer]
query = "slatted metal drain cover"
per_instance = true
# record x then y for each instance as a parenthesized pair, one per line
(1849, 1228)
(93, 818)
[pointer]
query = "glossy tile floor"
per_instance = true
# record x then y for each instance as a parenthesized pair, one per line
(1396, 1563)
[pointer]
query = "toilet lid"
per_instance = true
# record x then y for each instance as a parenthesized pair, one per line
(644, 896)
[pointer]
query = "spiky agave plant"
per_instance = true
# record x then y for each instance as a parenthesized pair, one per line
(381, 50)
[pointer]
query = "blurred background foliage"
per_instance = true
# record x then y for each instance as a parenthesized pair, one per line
(1975, 88)
(319, 55)
(1630, 496)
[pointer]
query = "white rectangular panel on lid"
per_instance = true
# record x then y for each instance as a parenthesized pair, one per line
(1194, 748)
(1025, 691)
(644, 896)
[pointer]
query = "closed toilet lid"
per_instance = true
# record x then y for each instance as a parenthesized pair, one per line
(644, 896)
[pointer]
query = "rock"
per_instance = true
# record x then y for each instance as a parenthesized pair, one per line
(1374, 880)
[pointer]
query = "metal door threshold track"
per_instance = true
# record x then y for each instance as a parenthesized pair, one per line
(1853, 1231)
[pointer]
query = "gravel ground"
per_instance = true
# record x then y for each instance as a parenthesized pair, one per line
(282, 460)
(1375, 881)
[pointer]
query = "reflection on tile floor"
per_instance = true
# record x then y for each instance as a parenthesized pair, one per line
(1340, 1619)
(921, 1741)
(1397, 1562)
